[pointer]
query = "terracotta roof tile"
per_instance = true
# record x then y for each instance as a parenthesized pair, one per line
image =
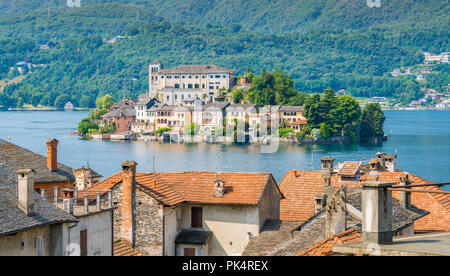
(325, 247)
(122, 248)
(350, 168)
(172, 188)
(299, 189)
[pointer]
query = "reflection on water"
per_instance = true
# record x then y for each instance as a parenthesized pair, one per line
(421, 139)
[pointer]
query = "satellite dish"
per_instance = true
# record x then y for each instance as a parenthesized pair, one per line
(338, 227)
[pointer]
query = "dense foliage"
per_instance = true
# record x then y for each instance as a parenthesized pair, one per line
(320, 44)
(331, 116)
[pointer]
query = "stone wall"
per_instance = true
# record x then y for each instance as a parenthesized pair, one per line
(117, 202)
(149, 232)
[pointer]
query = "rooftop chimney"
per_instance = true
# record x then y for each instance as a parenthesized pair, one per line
(219, 187)
(376, 212)
(336, 213)
(52, 154)
(327, 163)
(128, 201)
(390, 162)
(327, 170)
(319, 202)
(25, 191)
(405, 197)
(381, 160)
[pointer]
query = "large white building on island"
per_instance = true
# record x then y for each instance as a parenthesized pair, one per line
(186, 82)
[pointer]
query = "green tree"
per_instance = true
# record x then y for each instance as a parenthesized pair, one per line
(325, 131)
(85, 125)
(237, 96)
(105, 102)
(191, 129)
(61, 100)
(372, 121)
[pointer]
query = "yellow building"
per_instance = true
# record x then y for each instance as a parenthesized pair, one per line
(292, 117)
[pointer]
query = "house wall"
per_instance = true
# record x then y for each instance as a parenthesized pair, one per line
(269, 205)
(99, 228)
(230, 225)
(148, 221)
(148, 230)
(52, 242)
(171, 230)
(123, 123)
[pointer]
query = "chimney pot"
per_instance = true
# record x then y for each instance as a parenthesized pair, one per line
(25, 191)
(319, 203)
(52, 154)
(376, 212)
(327, 163)
(219, 187)
(405, 197)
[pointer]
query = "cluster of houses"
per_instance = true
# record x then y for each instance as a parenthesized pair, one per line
(195, 94)
(47, 208)
(430, 57)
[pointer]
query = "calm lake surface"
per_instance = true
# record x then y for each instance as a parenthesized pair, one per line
(421, 140)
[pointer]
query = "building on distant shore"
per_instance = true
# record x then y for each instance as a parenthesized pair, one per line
(123, 114)
(430, 57)
(173, 86)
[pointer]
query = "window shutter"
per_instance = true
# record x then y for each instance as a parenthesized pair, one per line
(196, 217)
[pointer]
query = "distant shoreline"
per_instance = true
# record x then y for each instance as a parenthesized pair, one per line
(42, 109)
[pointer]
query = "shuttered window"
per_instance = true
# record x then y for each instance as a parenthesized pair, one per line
(196, 219)
(83, 243)
(189, 252)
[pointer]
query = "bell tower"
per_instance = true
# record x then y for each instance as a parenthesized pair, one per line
(153, 78)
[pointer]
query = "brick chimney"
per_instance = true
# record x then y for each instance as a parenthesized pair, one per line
(25, 191)
(52, 154)
(128, 201)
(376, 212)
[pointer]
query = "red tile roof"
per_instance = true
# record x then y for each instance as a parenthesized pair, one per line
(350, 168)
(172, 188)
(298, 122)
(300, 187)
(437, 204)
(325, 247)
(122, 248)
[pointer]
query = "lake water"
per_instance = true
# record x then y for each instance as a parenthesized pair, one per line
(421, 140)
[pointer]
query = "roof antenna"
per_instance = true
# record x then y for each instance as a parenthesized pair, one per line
(153, 164)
